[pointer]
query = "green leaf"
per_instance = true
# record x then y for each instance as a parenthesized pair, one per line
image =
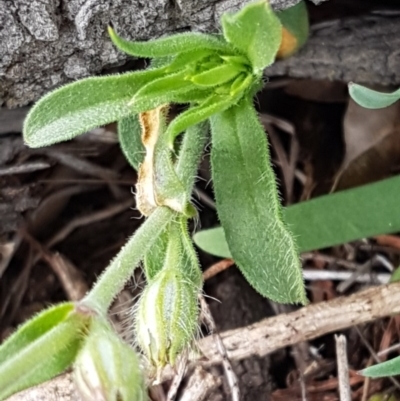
(388, 368)
(395, 275)
(248, 205)
(190, 152)
(371, 99)
(295, 21)
(40, 349)
(331, 219)
(162, 91)
(154, 260)
(75, 108)
(183, 60)
(129, 134)
(256, 32)
(182, 42)
(196, 114)
(216, 76)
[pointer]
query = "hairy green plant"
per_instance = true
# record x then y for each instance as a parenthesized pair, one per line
(216, 77)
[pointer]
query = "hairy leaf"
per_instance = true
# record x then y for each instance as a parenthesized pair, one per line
(216, 76)
(197, 114)
(182, 42)
(190, 152)
(371, 99)
(83, 105)
(162, 91)
(41, 349)
(331, 219)
(129, 134)
(189, 58)
(154, 260)
(248, 205)
(256, 32)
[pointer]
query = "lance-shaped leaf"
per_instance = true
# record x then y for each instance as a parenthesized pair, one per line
(154, 260)
(182, 42)
(129, 134)
(40, 349)
(248, 205)
(217, 75)
(197, 114)
(162, 91)
(371, 99)
(83, 105)
(190, 152)
(256, 32)
(188, 59)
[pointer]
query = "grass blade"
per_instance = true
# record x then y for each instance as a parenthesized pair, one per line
(331, 219)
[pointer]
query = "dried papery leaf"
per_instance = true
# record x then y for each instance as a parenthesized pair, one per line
(372, 139)
(78, 107)
(171, 45)
(158, 183)
(249, 208)
(256, 32)
(152, 123)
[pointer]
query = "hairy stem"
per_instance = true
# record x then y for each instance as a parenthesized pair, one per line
(111, 282)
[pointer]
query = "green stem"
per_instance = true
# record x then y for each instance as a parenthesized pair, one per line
(111, 282)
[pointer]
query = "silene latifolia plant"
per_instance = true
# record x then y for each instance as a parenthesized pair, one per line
(216, 76)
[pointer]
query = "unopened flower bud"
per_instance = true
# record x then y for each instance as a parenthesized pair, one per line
(167, 314)
(107, 369)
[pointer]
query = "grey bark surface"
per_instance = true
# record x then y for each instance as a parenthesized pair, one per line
(47, 43)
(364, 50)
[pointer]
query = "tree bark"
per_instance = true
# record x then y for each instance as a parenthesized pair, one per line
(364, 50)
(46, 43)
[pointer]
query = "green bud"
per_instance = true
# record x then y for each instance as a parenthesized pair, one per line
(107, 369)
(166, 318)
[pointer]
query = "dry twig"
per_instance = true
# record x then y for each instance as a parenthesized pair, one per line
(343, 368)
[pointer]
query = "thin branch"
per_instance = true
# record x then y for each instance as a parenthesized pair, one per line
(343, 368)
(230, 374)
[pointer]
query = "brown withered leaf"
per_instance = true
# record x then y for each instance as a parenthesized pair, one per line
(372, 140)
